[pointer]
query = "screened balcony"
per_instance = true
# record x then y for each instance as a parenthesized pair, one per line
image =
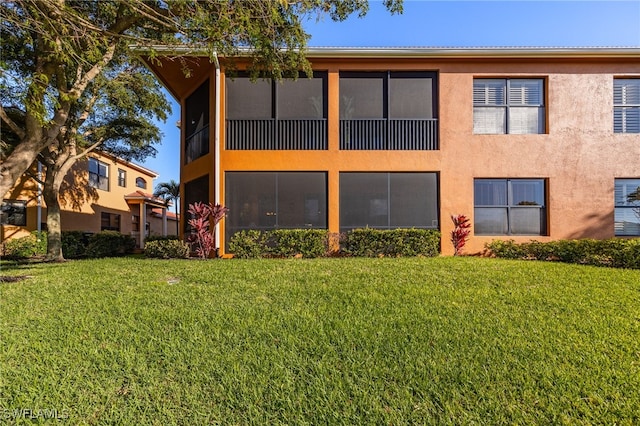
(272, 134)
(383, 134)
(197, 144)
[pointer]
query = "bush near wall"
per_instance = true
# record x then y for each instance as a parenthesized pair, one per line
(110, 244)
(368, 242)
(614, 252)
(25, 247)
(308, 243)
(166, 248)
(74, 244)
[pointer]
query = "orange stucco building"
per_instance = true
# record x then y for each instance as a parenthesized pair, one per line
(530, 143)
(101, 192)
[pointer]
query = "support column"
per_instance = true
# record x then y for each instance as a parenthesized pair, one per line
(143, 223)
(164, 221)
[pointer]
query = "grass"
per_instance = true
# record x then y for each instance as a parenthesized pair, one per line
(326, 341)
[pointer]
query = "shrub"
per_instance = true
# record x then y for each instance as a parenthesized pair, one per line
(248, 244)
(160, 238)
(74, 244)
(169, 248)
(25, 247)
(110, 243)
(369, 242)
(616, 252)
(294, 242)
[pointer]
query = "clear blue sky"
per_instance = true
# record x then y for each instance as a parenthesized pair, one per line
(457, 24)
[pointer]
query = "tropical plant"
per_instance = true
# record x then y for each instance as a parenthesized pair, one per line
(460, 233)
(170, 193)
(202, 238)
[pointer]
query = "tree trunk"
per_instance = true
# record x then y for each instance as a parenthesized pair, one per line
(53, 181)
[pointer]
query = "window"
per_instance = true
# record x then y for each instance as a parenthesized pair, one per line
(98, 174)
(388, 111)
(270, 200)
(510, 207)
(14, 212)
(270, 115)
(388, 200)
(626, 105)
(513, 106)
(122, 178)
(627, 207)
(109, 222)
(141, 183)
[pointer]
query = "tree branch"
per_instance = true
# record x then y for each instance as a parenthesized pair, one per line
(12, 125)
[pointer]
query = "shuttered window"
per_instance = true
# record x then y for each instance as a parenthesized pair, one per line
(627, 207)
(508, 106)
(626, 105)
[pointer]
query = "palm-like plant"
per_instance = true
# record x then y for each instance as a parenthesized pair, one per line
(169, 192)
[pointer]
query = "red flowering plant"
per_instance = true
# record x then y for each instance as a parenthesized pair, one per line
(202, 236)
(460, 233)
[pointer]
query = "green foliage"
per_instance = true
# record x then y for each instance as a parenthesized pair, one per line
(351, 341)
(615, 252)
(25, 247)
(110, 243)
(370, 242)
(167, 249)
(248, 244)
(297, 242)
(161, 238)
(74, 244)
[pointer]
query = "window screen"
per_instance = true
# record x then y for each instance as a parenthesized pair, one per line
(388, 200)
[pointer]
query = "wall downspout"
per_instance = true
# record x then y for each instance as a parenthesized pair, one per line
(216, 142)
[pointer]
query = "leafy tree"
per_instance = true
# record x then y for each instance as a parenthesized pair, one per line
(169, 192)
(60, 58)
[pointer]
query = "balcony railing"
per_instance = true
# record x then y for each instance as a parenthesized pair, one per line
(197, 144)
(385, 134)
(273, 135)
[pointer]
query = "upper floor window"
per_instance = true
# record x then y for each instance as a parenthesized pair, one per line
(276, 115)
(141, 183)
(510, 206)
(122, 177)
(626, 105)
(14, 212)
(627, 207)
(388, 110)
(98, 174)
(508, 106)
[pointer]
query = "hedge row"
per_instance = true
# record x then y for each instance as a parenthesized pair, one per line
(75, 245)
(316, 243)
(614, 252)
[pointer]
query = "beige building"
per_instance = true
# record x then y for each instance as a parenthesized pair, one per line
(101, 192)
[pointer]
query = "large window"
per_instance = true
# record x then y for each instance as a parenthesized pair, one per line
(98, 174)
(626, 105)
(109, 222)
(14, 212)
(514, 106)
(388, 200)
(196, 127)
(388, 111)
(270, 200)
(510, 207)
(270, 115)
(627, 207)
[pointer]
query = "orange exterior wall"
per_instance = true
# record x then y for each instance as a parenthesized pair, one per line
(579, 155)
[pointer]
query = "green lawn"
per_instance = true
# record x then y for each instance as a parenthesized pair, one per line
(328, 341)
